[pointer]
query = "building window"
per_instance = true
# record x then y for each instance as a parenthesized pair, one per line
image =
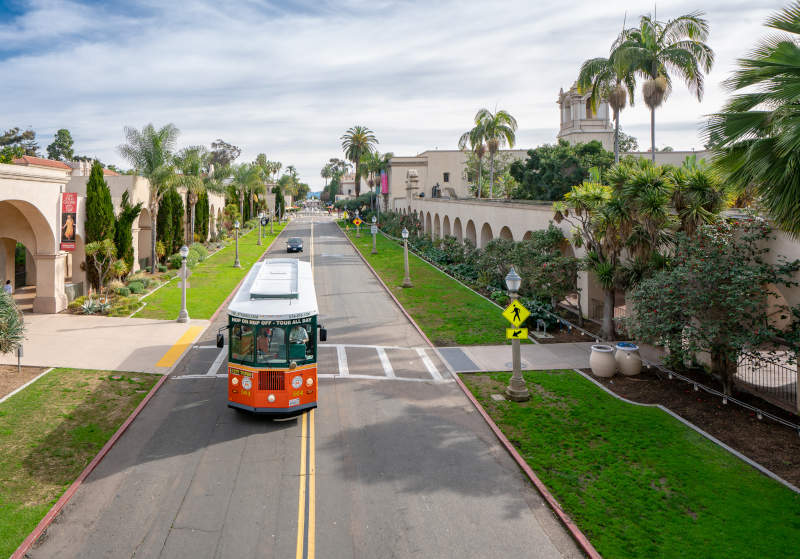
(447, 177)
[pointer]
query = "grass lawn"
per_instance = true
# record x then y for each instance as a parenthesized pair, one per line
(638, 482)
(448, 312)
(210, 282)
(49, 432)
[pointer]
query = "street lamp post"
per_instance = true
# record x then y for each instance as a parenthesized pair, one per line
(358, 227)
(271, 219)
(407, 278)
(260, 217)
(516, 391)
(236, 263)
(183, 316)
(374, 231)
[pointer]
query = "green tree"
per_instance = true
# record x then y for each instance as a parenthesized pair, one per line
(191, 161)
(654, 49)
(550, 171)
(9, 153)
(474, 138)
(100, 220)
(17, 139)
(497, 129)
(61, 148)
(12, 324)
(202, 217)
(150, 151)
(712, 297)
(123, 233)
(280, 202)
(101, 255)
(755, 137)
(356, 142)
(246, 178)
(627, 142)
(224, 154)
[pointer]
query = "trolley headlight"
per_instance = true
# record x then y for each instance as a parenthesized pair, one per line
(271, 398)
(297, 382)
(309, 381)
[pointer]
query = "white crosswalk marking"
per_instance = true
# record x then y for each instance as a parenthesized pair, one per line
(387, 365)
(429, 364)
(223, 353)
(343, 370)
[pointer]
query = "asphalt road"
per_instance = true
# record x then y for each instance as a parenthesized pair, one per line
(395, 462)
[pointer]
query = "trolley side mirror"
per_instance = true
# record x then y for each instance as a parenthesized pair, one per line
(220, 340)
(323, 334)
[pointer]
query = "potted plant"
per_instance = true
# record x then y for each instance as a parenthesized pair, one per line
(602, 361)
(628, 359)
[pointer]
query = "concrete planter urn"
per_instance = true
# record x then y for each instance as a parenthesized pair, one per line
(602, 361)
(628, 359)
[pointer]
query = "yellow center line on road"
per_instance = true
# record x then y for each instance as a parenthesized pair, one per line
(312, 515)
(301, 502)
(172, 355)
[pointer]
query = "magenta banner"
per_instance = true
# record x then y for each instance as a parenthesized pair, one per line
(384, 183)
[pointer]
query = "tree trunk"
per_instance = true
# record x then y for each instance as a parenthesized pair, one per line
(357, 183)
(480, 177)
(491, 175)
(723, 368)
(608, 315)
(241, 205)
(250, 195)
(191, 224)
(616, 138)
(653, 133)
(153, 233)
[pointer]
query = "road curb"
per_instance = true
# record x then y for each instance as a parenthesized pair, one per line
(51, 515)
(579, 537)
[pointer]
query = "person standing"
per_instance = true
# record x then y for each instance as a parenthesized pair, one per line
(8, 288)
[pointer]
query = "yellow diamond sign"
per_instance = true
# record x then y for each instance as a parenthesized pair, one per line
(517, 333)
(357, 222)
(346, 215)
(516, 313)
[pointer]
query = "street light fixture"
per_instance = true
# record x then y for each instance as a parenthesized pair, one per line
(183, 316)
(236, 263)
(374, 231)
(516, 391)
(358, 227)
(407, 278)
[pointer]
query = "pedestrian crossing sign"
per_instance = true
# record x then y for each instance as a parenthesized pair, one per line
(516, 314)
(357, 222)
(346, 215)
(517, 333)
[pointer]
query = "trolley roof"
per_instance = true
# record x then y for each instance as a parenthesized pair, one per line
(276, 289)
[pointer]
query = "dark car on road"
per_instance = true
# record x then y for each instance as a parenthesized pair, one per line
(295, 244)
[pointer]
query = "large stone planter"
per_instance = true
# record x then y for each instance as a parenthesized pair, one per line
(628, 359)
(602, 361)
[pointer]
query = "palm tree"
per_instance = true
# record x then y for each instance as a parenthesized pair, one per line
(246, 177)
(357, 141)
(191, 161)
(755, 137)
(326, 173)
(150, 152)
(654, 49)
(611, 79)
(474, 138)
(497, 129)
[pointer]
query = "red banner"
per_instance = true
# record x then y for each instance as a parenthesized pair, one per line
(69, 221)
(384, 183)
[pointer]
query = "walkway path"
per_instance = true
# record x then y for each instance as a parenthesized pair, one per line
(385, 467)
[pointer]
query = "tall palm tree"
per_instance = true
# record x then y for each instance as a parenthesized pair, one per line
(326, 173)
(246, 177)
(655, 48)
(357, 141)
(150, 153)
(474, 138)
(608, 78)
(191, 161)
(755, 138)
(498, 128)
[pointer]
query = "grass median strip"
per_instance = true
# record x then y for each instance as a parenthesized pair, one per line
(448, 312)
(49, 432)
(638, 482)
(210, 282)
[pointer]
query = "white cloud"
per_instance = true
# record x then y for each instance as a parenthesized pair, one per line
(288, 79)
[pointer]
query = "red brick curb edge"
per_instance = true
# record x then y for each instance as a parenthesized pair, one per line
(45, 522)
(579, 537)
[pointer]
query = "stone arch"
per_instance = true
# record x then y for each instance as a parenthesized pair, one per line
(437, 227)
(428, 228)
(22, 221)
(470, 233)
(144, 238)
(527, 236)
(457, 231)
(486, 234)
(505, 233)
(446, 226)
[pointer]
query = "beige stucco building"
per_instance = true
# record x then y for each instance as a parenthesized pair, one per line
(30, 213)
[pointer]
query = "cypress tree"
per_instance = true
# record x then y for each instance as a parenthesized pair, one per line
(99, 208)
(201, 216)
(123, 235)
(178, 217)
(164, 222)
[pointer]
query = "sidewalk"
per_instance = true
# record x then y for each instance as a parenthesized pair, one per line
(101, 342)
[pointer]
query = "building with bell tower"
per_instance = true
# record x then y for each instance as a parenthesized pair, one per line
(579, 124)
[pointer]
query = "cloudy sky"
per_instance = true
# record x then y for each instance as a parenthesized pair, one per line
(288, 78)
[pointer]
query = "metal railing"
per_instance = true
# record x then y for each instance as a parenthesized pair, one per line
(770, 379)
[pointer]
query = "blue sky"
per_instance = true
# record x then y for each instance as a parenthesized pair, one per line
(288, 78)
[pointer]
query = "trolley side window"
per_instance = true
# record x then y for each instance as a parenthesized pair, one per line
(271, 346)
(242, 342)
(303, 343)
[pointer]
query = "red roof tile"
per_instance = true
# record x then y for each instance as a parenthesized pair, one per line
(110, 173)
(40, 162)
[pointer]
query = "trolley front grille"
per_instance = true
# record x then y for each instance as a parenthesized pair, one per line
(271, 380)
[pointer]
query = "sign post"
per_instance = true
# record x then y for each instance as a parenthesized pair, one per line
(374, 231)
(516, 314)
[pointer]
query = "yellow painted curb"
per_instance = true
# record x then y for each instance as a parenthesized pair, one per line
(172, 355)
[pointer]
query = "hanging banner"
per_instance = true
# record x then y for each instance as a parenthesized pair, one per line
(384, 183)
(69, 223)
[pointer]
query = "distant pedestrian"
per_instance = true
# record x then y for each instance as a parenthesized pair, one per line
(7, 288)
